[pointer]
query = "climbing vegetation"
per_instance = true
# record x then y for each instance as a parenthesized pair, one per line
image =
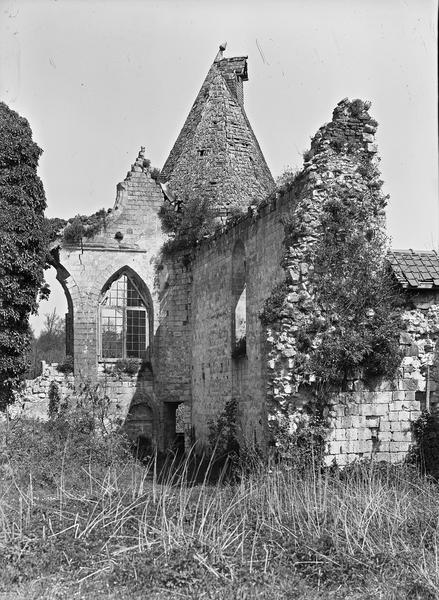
(356, 321)
(186, 223)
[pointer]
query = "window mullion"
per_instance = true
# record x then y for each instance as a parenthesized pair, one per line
(124, 332)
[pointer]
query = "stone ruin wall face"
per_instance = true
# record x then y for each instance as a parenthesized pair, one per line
(217, 376)
(173, 378)
(372, 419)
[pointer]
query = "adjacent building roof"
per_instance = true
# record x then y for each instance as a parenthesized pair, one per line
(415, 269)
(217, 156)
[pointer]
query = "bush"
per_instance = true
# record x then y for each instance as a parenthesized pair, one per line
(66, 366)
(54, 399)
(127, 365)
(240, 348)
(83, 226)
(425, 453)
(304, 447)
(223, 440)
(274, 304)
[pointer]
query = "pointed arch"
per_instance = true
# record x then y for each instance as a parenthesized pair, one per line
(62, 274)
(125, 320)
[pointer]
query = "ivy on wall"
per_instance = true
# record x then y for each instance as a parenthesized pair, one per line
(358, 308)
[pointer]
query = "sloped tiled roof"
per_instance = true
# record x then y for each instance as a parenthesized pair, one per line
(217, 156)
(415, 269)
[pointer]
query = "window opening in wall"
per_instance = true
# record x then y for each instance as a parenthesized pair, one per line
(241, 320)
(239, 302)
(124, 323)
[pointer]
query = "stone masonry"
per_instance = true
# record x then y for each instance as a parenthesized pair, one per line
(191, 295)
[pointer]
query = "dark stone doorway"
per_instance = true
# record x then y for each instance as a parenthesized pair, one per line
(174, 426)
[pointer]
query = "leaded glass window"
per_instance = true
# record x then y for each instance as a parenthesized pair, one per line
(124, 323)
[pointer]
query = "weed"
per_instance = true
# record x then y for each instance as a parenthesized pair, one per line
(79, 518)
(54, 399)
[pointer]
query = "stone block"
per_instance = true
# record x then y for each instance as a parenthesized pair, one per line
(352, 434)
(384, 446)
(335, 448)
(397, 457)
(347, 421)
(372, 422)
(408, 384)
(365, 409)
(399, 446)
(365, 446)
(364, 434)
(382, 456)
(397, 426)
(410, 396)
(357, 421)
(402, 436)
(398, 405)
(352, 446)
(404, 415)
(384, 436)
(340, 434)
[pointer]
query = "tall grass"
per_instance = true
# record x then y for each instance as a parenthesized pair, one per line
(104, 517)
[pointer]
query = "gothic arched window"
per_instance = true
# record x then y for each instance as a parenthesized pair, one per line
(124, 319)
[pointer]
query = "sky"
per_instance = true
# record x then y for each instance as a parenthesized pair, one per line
(98, 79)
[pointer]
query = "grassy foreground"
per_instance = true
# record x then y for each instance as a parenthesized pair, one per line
(79, 518)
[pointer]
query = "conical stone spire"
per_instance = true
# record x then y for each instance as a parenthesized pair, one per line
(217, 156)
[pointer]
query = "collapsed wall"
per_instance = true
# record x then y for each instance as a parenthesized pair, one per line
(372, 416)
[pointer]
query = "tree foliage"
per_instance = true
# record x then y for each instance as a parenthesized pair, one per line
(22, 247)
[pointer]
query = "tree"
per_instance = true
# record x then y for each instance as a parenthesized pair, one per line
(22, 247)
(49, 346)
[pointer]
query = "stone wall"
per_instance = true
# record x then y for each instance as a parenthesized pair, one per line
(173, 373)
(376, 425)
(379, 423)
(131, 238)
(33, 398)
(420, 343)
(217, 376)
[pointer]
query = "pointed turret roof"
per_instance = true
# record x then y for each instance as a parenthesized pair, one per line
(217, 156)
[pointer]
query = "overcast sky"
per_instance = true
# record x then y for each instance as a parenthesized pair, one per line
(98, 79)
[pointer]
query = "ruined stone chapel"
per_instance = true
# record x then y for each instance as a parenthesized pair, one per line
(173, 337)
